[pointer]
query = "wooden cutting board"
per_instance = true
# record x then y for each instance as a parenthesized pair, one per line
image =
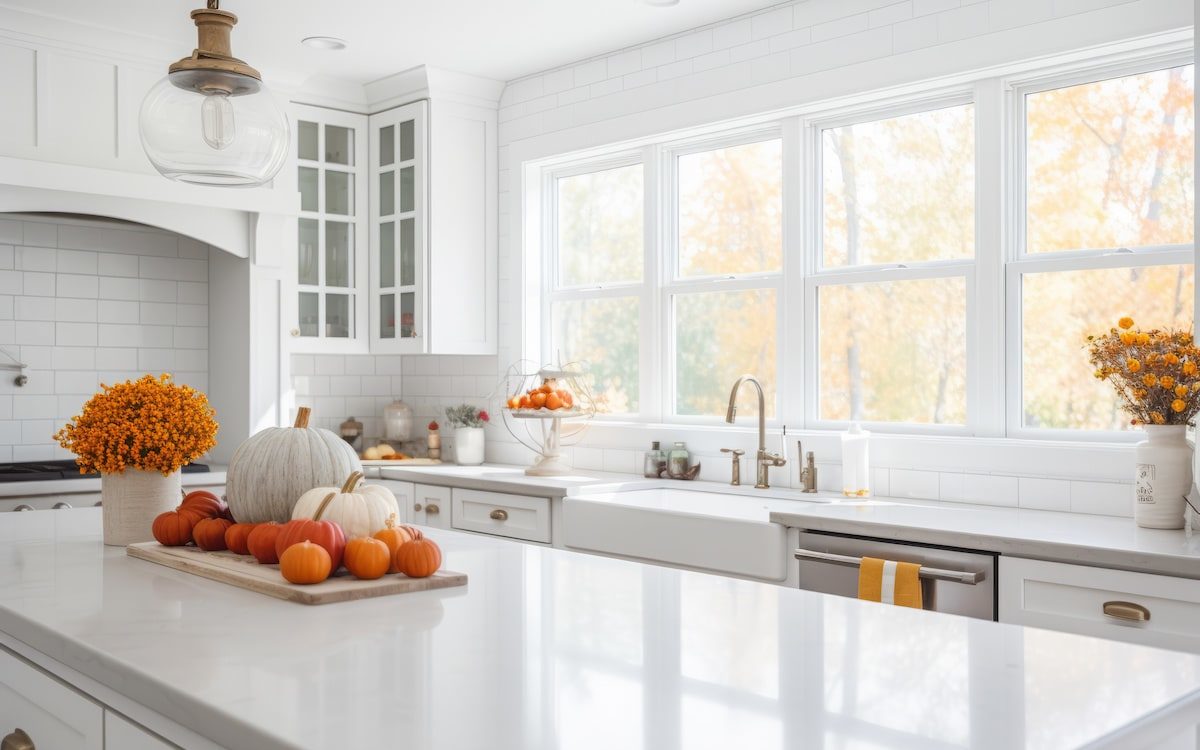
(246, 572)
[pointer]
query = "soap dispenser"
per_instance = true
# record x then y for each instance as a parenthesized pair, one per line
(856, 462)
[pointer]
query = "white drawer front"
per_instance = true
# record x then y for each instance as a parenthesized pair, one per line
(514, 516)
(431, 506)
(122, 733)
(1073, 598)
(52, 714)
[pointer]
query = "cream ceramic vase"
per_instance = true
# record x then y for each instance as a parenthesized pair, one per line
(1162, 476)
(132, 500)
(468, 446)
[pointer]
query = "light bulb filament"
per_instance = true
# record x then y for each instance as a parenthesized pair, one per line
(216, 120)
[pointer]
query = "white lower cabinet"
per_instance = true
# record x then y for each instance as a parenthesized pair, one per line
(1155, 610)
(501, 514)
(122, 734)
(405, 493)
(431, 506)
(51, 714)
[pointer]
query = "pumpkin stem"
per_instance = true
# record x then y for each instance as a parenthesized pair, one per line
(391, 521)
(302, 415)
(183, 493)
(351, 481)
(321, 508)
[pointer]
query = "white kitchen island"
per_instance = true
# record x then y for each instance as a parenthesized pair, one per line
(547, 648)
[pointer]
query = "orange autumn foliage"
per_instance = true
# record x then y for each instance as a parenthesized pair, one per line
(151, 424)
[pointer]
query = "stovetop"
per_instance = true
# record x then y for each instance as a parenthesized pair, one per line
(40, 471)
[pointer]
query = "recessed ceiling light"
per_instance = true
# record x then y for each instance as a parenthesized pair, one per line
(324, 42)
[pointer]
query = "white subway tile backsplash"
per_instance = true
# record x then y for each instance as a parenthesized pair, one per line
(10, 432)
(34, 332)
(39, 234)
(156, 337)
(119, 288)
(36, 259)
(7, 257)
(590, 72)
(76, 261)
(964, 22)
(75, 334)
(73, 358)
(71, 381)
(330, 364)
(915, 484)
(915, 34)
(694, 45)
(1044, 494)
(38, 284)
(624, 62)
(158, 290)
(890, 14)
(115, 264)
(11, 282)
(42, 406)
(1102, 498)
(77, 285)
(34, 308)
(925, 7)
(115, 358)
(840, 27)
(192, 292)
(156, 360)
(360, 364)
(75, 310)
(159, 313)
(733, 33)
(771, 23)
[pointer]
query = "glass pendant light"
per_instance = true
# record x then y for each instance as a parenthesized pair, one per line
(211, 121)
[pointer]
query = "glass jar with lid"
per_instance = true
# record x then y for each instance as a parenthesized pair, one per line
(398, 421)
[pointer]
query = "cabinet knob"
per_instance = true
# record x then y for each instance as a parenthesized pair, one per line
(417, 507)
(432, 510)
(1127, 611)
(18, 740)
(295, 332)
(499, 515)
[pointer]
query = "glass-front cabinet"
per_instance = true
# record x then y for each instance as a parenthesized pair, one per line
(331, 234)
(399, 159)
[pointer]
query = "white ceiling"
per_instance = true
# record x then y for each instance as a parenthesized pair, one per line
(500, 39)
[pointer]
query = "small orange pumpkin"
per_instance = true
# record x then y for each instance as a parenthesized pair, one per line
(261, 542)
(394, 536)
(210, 533)
(367, 558)
(419, 558)
(305, 563)
(237, 537)
(173, 529)
(201, 504)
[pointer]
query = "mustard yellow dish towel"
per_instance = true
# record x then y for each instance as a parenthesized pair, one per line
(890, 582)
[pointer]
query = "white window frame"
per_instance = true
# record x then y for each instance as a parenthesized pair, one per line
(1018, 261)
(992, 277)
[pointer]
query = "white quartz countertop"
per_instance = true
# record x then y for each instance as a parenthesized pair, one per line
(500, 478)
(1066, 537)
(548, 648)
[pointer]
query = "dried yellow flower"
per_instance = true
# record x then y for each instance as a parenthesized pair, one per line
(1178, 405)
(1157, 418)
(1166, 381)
(1149, 380)
(1133, 365)
(1189, 368)
(1125, 322)
(1181, 391)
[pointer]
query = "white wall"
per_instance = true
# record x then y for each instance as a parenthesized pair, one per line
(84, 302)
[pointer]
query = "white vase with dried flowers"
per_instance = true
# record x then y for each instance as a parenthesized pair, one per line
(1156, 374)
(469, 443)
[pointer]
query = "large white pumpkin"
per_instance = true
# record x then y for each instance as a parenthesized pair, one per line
(361, 510)
(273, 468)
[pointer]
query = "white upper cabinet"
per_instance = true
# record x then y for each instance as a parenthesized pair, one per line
(329, 306)
(433, 221)
(396, 235)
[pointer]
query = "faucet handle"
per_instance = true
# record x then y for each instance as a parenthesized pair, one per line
(735, 451)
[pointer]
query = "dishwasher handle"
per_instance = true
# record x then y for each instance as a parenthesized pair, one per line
(969, 577)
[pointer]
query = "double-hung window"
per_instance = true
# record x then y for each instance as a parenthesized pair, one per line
(889, 291)
(1104, 228)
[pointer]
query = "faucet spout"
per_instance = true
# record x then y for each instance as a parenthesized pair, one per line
(765, 459)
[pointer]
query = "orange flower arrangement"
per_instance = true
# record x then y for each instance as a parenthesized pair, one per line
(1155, 373)
(150, 424)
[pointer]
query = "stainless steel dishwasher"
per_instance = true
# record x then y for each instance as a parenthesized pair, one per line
(957, 581)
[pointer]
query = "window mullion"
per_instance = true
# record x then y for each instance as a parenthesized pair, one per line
(651, 357)
(985, 297)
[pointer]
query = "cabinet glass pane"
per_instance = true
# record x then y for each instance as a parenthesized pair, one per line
(387, 316)
(306, 257)
(408, 304)
(337, 316)
(338, 236)
(306, 141)
(407, 142)
(387, 194)
(309, 313)
(338, 198)
(308, 189)
(339, 145)
(408, 252)
(387, 145)
(407, 200)
(387, 255)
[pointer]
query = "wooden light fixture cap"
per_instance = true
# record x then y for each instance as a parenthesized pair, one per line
(213, 51)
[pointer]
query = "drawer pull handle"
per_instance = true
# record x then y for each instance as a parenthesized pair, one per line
(499, 515)
(432, 510)
(1127, 611)
(417, 507)
(18, 740)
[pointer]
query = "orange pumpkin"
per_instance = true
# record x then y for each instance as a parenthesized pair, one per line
(416, 532)
(367, 558)
(537, 400)
(419, 558)
(237, 537)
(173, 529)
(304, 563)
(394, 536)
(210, 533)
(261, 542)
(201, 504)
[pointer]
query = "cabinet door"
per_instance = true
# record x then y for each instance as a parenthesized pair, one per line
(51, 714)
(122, 734)
(399, 229)
(431, 506)
(330, 264)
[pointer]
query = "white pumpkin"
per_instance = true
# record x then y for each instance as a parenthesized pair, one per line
(273, 468)
(361, 510)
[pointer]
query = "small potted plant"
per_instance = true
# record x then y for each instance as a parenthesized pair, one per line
(1156, 375)
(468, 423)
(137, 435)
